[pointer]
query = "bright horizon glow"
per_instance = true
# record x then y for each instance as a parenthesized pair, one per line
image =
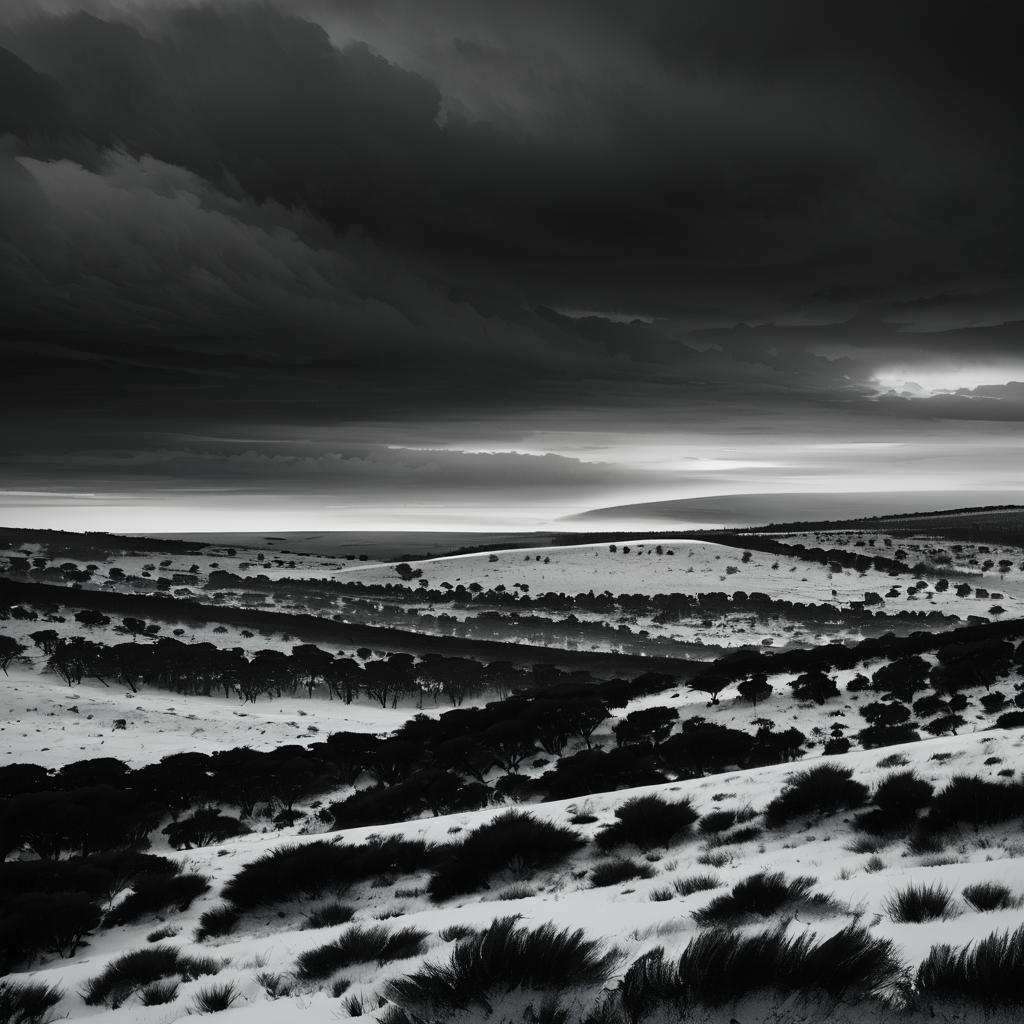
(939, 380)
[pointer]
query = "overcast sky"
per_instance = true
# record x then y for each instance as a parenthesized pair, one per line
(345, 263)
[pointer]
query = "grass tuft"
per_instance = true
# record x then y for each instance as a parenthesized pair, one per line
(986, 896)
(27, 1002)
(825, 789)
(215, 998)
(617, 870)
(918, 903)
(329, 915)
(501, 959)
(989, 972)
(647, 822)
(762, 895)
(359, 945)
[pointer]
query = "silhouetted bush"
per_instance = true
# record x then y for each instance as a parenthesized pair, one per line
(821, 790)
(329, 914)
(312, 868)
(618, 870)
(125, 975)
(359, 945)
(217, 921)
(27, 1002)
(215, 998)
(969, 800)
(918, 903)
(695, 883)
(762, 895)
(502, 959)
(203, 828)
(33, 923)
(898, 799)
(646, 822)
(717, 821)
(986, 896)
(153, 893)
(514, 842)
(158, 993)
(1011, 720)
(721, 967)
(989, 972)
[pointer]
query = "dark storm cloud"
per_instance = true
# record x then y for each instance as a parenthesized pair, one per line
(436, 223)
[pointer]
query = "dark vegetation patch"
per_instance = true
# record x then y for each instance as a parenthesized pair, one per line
(989, 973)
(761, 896)
(358, 945)
(825, 789)
(290, 872)
(128, 973)
(918, 903)
(154, 893)
(986, 896)
(514, 842)
(328, 915)
(217, 921)
(504, 958)
(27, 1002)
(619, 870)
(719, 967)
(647, 822)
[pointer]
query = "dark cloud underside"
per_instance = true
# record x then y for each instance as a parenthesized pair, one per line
(638, 240)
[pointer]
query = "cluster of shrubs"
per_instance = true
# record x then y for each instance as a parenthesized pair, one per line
(51, 906)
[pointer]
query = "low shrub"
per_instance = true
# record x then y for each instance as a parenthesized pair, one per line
(514, 842)
(1011, 720)
(989, 972)
(153, 893)
(986, 896)
(359, 945)
(661, 895)
(329, 914)
(740, 835)
(27, 1002)
(969, 800)
(695, 883)
(716, 821)
(125, 975)
(275, 985)
(502, 959)
(32, 923)
(455, 932)
(166, 931)
(215, 998)
(721, 967)
(762, 895)
(217, 921)
(310, 869)
(898, 800)
(918, 903)
(825, 789)
(647, 822)
(158, 993)
(620, 869)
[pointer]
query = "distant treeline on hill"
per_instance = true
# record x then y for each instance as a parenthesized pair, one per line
(836, 524)
(93, 545)
(316, 628)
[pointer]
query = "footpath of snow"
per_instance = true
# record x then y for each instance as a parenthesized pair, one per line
(624, 914)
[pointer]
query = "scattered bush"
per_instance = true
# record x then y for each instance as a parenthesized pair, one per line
(721, 967)
(821, 790)
(217, 921)
(986, 896)
(898, 799)
(620, 869)
(918, 903)
(762, 895)
(514, 842)
(312, 868)
(158, 993)
(215, 998)
(275, 985)
(153, 893)
(646, 822)
(717, 821)
(329, 914)
(27, 1002)
(989, 972)
(969, 800)
(359, 946)
(502, 959)
(695, 883)
(125, 975)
